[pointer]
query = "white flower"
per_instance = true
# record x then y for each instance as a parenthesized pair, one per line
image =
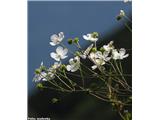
(56, 65)
(97, 59)
(41, 76)
(119, 55)
(86, 52)
(103, 56)
(56, 39)
(108, 47)
(60, 53)
(122, 13)
(52, 69)
(74, 64)
(90, 37)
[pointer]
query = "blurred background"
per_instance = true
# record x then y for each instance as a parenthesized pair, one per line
(74, 19)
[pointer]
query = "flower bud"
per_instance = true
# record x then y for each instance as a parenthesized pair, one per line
(39, 85)
(94, 49)
(63, 67)
(95, 34)
(76, 40)
(37, 71)
(118, 17)
(102, 49)
(70, 41)
(77, 53)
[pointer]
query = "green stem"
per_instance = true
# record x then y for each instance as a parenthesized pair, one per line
(128, 27)
(63, 82)
(80, 69)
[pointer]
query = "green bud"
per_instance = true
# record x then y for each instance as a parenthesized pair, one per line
(76, 40)
(95, 34)
(119, 17)
(39, 85)
(94, 49)
(70, 41)
(77, 53)
(42, 68)
(37, 71)
(63, 67)
(102, 49)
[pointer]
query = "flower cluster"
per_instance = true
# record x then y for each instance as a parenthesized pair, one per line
(98, 57)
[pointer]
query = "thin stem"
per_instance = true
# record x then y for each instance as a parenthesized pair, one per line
(63, 82)
(121, 66)
(64, 90)
(121, 115)
(67, 48)
(98, 97)
(128, 27)
(57, 85)
(128, 18)
(113, 66)
(95, 45)
(80, 69)
(65, 76)
(119, 71)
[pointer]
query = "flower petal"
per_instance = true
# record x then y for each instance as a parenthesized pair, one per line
(65, 51)
(63, 57)
(55, 56)
(71, 61)
(54, 36)
(68, 67)
(122, 51)
(85, 37)
(52, 43)
(94, 67)
(61, 36)
(59, 50)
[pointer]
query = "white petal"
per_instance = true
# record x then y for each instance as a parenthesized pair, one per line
(77, 58)
(75, 68)
(59, 50)
(52, 43)
(85, 37)
(65, 51)
(107, 59)
(54, 36)
(106, 48)
(55, 39)
(125, 56)
(92, 55)
(86, 52)
(83, 56)
(63, 57)
(100, 62)
(55, 56)
(68, 67)
(106, 53)
(42, 63)
(93, 39)
(122, 51)
(94, 67)
(98, 54)
(61, 36)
